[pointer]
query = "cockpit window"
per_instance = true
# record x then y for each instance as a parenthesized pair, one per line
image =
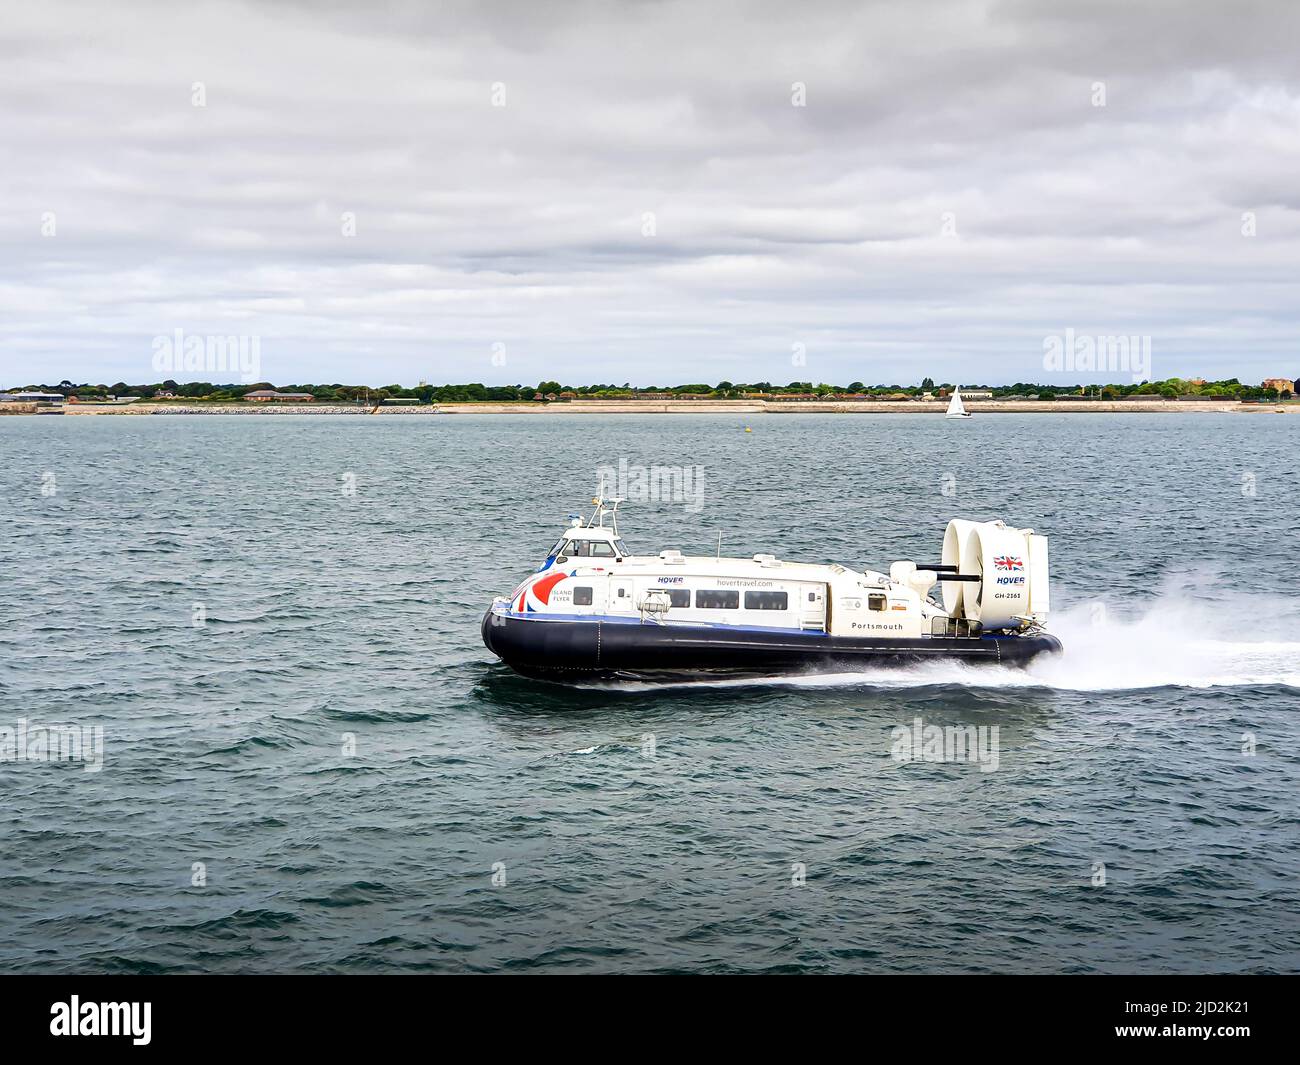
(587, 548)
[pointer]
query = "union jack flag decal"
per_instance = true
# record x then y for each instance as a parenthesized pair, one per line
(1008, 562)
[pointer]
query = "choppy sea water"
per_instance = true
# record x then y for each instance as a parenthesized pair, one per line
(238, 602)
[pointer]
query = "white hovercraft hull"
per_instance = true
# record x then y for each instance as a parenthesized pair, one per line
(593, 609)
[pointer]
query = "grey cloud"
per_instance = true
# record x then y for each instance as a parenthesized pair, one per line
(774, 224)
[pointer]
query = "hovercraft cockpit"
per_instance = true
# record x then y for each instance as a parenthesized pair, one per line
(591, 539)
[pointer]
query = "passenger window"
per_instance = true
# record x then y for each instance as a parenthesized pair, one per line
(582, 597)
(766, 600)
(679, 597)
(601, 550)
(875, 602)
(717, 599)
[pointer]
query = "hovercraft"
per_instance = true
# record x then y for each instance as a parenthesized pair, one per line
(594, 610)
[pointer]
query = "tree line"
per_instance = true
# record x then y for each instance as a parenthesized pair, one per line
(1172, 387)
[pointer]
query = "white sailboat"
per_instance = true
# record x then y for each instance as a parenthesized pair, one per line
(956, 409)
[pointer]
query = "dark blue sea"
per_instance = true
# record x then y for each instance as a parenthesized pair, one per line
(310, 763)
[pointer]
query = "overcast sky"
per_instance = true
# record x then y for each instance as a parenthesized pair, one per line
(649, 204)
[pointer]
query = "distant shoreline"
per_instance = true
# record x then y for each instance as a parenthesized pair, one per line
(747, 407)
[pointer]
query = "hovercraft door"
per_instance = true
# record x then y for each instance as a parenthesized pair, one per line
(812, 615)
(620, 596)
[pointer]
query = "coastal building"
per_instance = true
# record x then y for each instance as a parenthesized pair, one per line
(1279, 384)
(40, 399)
(268, 395)
(401, 401)
(32, 403)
